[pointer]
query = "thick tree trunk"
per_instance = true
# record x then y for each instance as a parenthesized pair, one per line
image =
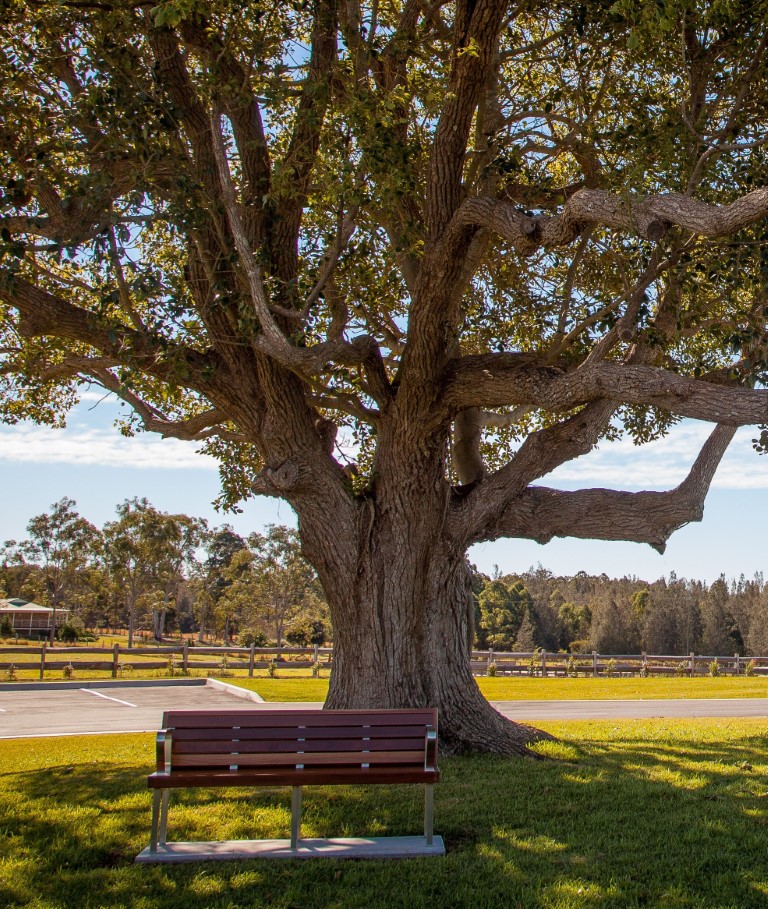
(403, 639)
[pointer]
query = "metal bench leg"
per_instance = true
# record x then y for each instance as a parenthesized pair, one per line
(295, 815)
(164, 816)
(429, 812)
(156, 796)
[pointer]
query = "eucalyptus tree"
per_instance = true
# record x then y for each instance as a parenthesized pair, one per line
(456, 242)
(148, 553)
(63, 544)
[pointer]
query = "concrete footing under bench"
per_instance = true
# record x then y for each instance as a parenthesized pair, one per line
(374, 847)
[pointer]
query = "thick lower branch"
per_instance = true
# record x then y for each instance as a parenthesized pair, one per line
(540, 513)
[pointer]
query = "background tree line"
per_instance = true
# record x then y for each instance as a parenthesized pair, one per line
(166, 573)
(171, 573)
(520, 612)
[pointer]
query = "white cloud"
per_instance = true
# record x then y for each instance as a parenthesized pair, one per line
(83, 445)
(664, 464)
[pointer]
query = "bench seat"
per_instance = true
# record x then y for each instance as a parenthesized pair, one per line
(296, 748)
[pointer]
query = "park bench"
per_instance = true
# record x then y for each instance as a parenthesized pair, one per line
(293, 748)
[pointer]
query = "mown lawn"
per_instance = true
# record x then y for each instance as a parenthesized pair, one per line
(657, 814)
(297, 687)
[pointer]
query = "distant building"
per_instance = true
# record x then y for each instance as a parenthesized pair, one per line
(30, 619)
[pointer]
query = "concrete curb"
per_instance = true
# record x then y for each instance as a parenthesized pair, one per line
(100, 683)
(234, 690)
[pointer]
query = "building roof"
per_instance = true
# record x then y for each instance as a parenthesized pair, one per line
(15, 606)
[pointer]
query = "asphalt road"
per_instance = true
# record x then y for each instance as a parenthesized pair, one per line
(123, 708)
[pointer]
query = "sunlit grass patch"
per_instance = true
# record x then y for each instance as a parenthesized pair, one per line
(636, 813)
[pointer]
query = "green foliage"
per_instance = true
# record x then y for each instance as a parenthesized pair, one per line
(306, 633)
(714, 669)
(6, 627)
(73, 630)
(502, 609)
(68, 671)
(252, 637)
(749, 668)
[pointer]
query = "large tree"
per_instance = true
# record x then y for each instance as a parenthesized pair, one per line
(462, 241)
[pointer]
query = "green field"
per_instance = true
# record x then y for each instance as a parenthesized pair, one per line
(656, 814)
(290, 686)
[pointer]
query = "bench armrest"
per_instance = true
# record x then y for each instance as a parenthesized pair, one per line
(430, 749)
(163, 746)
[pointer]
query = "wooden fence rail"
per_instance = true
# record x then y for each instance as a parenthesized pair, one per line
(543, 663)
(119, 660)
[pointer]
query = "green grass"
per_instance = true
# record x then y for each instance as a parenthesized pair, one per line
(295, 686)
(563, 689)
(655, 814)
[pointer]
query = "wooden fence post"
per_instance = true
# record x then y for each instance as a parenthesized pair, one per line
(644, 663)
(692, 665)
(490, 659)
(543, 663)
(737, 664)
(251, 659)
(42, 659)
(316, 656)
(185, 656)
(115, 660)
(594, 663)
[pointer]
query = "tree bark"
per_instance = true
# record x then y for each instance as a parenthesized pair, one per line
(402, 623)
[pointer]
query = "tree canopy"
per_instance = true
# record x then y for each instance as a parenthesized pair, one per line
(457, 243)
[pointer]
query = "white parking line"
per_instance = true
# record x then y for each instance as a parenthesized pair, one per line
(3, 711)
(106, 697)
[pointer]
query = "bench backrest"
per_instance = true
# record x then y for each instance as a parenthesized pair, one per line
(303, 739)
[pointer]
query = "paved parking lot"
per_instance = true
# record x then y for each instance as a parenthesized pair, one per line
(82, 710)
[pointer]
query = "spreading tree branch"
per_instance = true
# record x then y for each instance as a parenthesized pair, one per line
(540, 513)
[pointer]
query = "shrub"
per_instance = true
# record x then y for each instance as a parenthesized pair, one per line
(681, 668)
(272, 669)
(749, 668)
(252, 637)
(11, 675)
(571, 666)
(714, 669)
(6, 627)
(491, 670)
(173, 664)
(69, 633)
(307, 632)
(123, 668)
(316, 669)
(68, 671)
(610, 667)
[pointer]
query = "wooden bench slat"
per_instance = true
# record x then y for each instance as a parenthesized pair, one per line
(276, 719)
(291, 746)
(193, 734)
(313, 759)
(289, 776)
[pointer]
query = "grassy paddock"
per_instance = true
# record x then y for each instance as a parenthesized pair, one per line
(296, 686)
(662, 814)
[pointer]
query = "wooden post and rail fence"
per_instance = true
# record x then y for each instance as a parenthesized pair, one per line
(181, 659)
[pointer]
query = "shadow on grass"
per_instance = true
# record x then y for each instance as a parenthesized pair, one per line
(621, 824)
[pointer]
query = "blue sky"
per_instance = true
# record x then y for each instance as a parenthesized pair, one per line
(92, 463)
